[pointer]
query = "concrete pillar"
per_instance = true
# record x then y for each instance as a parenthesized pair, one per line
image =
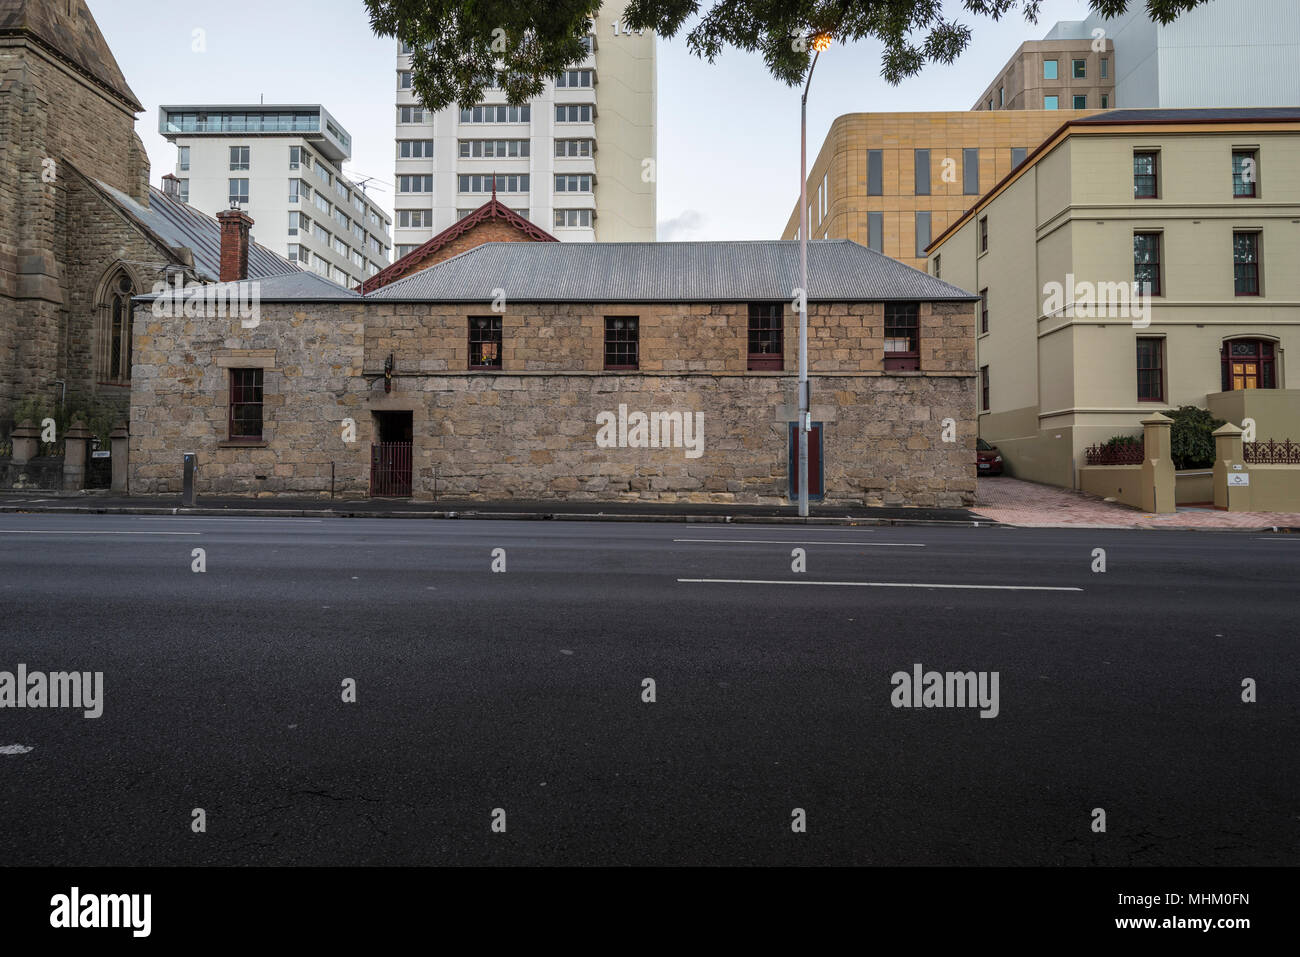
(25, 437)
(1158, 467)
(76, 445)
(119, 439)
(1229, 459)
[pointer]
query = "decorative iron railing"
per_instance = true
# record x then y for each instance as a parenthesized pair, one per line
(1126, 454)
(1285, 452)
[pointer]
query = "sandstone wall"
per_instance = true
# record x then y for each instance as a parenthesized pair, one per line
(47, 112)
(529, 432)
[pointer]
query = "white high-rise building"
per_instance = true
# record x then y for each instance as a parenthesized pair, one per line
(1225, 53)
(579, 160)
(283, 166)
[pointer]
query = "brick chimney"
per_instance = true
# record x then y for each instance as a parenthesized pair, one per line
(234, 244)
(171, 187)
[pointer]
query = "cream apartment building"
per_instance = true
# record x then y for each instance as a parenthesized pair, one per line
(578, 161)
(283, 165)
(1199, 207)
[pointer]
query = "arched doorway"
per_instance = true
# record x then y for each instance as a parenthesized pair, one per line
(1248, 364)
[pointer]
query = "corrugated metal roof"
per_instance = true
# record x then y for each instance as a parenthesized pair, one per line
(297, 286)
(179, 224)
(838, 271)
(1210, 115)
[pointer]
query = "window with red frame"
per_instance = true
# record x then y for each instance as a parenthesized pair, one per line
(1248, 364)
(1245, 263)
(902, 336)
(766, 336)
(1150, 370)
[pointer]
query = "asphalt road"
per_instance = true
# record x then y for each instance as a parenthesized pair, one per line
(523, 691)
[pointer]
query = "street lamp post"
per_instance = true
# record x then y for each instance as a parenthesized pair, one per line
(820, 42)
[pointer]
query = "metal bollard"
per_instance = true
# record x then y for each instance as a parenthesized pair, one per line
(187, 490)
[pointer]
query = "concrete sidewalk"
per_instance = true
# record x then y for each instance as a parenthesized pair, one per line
(113, 504)
(1001, 501)
(1009, 501)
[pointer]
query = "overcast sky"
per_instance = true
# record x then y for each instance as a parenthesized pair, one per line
(728, 132)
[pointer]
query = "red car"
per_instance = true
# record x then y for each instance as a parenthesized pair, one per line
(988, 458)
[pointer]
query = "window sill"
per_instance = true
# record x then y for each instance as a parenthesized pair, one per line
(232, 444)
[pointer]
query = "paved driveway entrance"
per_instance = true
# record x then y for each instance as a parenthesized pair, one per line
(1017, 502)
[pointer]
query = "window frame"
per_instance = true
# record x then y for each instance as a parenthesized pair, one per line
(240, 159)
(984, 388)
(1158, 283)
(1258, 242)
(1078, 69)
(1153, 176)
(984, 311)
(623, 340)
(484, 331)
(766, 326)
(983, 234)
(1253, 154)
(902, 360)
(1157, 367)
(259, 386)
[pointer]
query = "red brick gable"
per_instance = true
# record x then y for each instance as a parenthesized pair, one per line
(492, 222)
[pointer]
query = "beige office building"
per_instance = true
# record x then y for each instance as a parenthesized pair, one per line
(1067, 70)
(1200, 208)
(893, 181)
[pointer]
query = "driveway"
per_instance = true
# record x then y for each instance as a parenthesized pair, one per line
(1017, 502)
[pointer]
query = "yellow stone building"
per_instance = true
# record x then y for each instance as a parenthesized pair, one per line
(893, 181)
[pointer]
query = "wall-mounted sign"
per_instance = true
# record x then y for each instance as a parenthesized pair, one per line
(1243, 479)
(105, 454)
(1236, 468)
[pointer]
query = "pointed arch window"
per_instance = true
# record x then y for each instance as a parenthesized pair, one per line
(114, 360)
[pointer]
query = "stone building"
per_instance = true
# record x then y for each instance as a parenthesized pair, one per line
(605, 371)
(81, 231)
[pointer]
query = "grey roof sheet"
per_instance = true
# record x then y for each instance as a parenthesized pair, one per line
(838, 271)
(1200, 115)
(180, 224)
(297, 286)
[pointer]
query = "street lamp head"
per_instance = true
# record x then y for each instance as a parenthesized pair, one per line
(821, 42)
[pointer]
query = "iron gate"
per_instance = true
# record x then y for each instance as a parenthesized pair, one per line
(390, 469)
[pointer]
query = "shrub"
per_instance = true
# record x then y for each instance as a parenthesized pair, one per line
(1192, 437)
(1116, 440)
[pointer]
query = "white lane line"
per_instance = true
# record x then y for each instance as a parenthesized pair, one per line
(760, 581)
(797, 541)
(14, 749)
(218, 518)
(37, 531)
